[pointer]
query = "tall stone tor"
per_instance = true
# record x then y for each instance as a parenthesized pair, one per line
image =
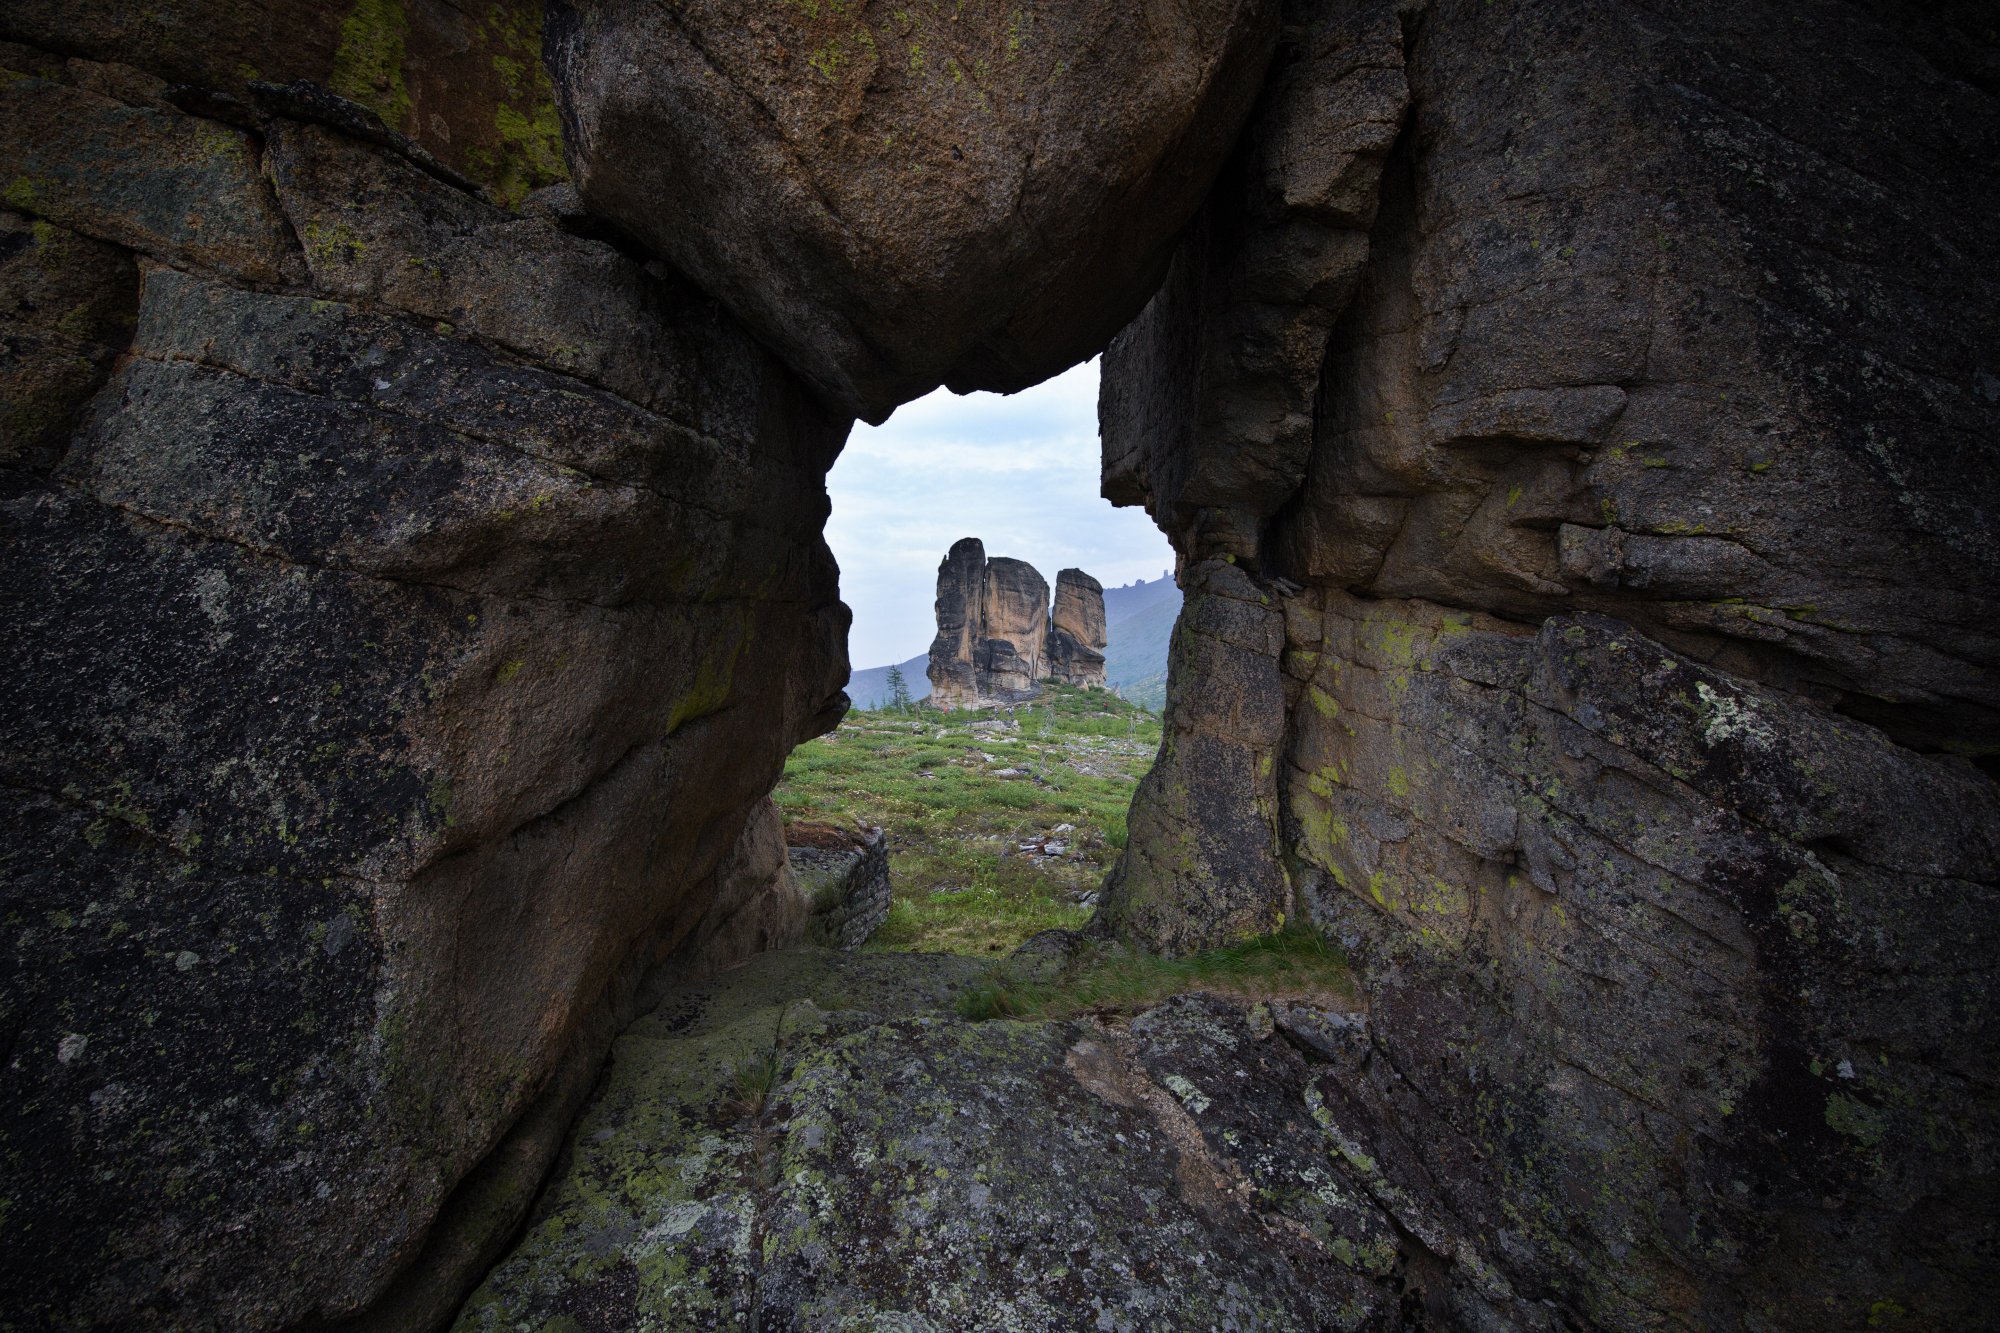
(1576, 425)
(998, 635)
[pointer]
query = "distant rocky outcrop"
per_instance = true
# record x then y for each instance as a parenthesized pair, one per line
(997, 636)
(1013, 647)
(1076, 630)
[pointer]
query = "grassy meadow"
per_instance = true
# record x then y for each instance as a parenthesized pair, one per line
(1001, 824)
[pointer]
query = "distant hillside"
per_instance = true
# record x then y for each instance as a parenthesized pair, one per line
(869, 687)
(1133, 598)
(1136, 658)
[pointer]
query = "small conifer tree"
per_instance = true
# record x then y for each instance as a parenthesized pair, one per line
(899, 690)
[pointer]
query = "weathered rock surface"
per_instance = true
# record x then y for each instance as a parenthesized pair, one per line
(466, 83)
(1075, 653)
(843, 878)
(1014, 627)
(896, 198)
(1206, 412)
(914, 1171)
(961, 596)
(66, 309)
(993, 627)
(1201, 862)
(1632, 718)
(384, 704)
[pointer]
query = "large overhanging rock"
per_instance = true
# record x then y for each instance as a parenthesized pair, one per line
(895, 198)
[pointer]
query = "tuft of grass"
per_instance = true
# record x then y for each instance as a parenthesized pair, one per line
(1292, 964)
(752, 1083)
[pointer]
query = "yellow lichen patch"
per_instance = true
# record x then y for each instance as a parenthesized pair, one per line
(368, 67)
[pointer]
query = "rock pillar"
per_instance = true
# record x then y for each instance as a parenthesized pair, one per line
(961, 616)
(1076, 630)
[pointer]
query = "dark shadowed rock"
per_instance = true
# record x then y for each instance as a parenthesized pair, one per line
(896, 198)
(1076, 630)
(401, 661)
(1207, 404)
(466, 83)
(66, 308)
(1636, 711)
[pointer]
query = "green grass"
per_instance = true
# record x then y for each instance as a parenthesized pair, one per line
(1294, 964)
(924, 775)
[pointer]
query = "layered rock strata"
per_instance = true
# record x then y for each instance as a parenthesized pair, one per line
(843, 878)
(403, 641)
(1076, 630)
(1597, 630)
(898, 197)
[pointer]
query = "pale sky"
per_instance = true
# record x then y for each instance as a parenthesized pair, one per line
(1018, 472)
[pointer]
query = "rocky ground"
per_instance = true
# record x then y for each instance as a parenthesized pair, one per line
(830, 1141)
(1001, 823)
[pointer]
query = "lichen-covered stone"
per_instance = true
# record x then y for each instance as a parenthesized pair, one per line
(179, 188)
(1637, 696)
(1200, 865)
(843, 878)
(1684, 957)
(465, 82)
(66, 307)
(915, 1171)
(396, 683)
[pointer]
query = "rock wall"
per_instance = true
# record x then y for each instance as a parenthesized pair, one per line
(843, 878)
(1594, 632)
(464, 83)
(1014, 623)
(410, 605)
(1076, 630)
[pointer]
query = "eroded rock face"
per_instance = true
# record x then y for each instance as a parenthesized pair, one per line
(843, 878)
(1633, 724)
(896, 198)
(1014, 626)
(1207, 404)
(993, 627)
(911, 1170)
(384, 705)
(1076, 630)
(961, 593)
(465, 83)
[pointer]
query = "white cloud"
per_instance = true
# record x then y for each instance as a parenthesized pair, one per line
(1018, 472)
